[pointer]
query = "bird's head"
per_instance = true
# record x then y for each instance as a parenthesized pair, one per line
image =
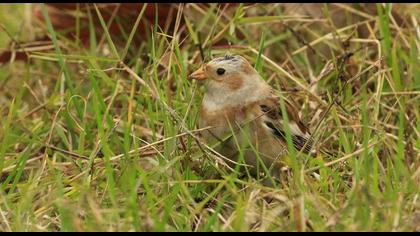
(229, 71)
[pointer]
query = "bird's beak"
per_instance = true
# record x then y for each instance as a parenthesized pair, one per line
(199, 74)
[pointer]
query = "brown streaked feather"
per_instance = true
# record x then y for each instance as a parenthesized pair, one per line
(293, 116)
(271, 108)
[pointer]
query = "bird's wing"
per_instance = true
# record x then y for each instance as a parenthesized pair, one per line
(273, 121)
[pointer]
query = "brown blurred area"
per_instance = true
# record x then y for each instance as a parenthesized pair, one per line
(122, 16)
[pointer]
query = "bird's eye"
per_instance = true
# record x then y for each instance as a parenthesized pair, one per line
(220, 71)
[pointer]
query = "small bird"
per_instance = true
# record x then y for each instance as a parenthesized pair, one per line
(245, 116)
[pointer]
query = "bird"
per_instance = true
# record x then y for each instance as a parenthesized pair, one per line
(245, 117)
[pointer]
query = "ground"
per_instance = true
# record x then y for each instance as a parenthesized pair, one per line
(100, 136)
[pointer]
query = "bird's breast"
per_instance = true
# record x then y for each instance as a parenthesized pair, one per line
(223, 115)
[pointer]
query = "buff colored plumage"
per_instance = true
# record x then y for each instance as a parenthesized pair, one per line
(239, 100)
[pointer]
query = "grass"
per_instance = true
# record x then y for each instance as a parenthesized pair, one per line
(104, 138)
